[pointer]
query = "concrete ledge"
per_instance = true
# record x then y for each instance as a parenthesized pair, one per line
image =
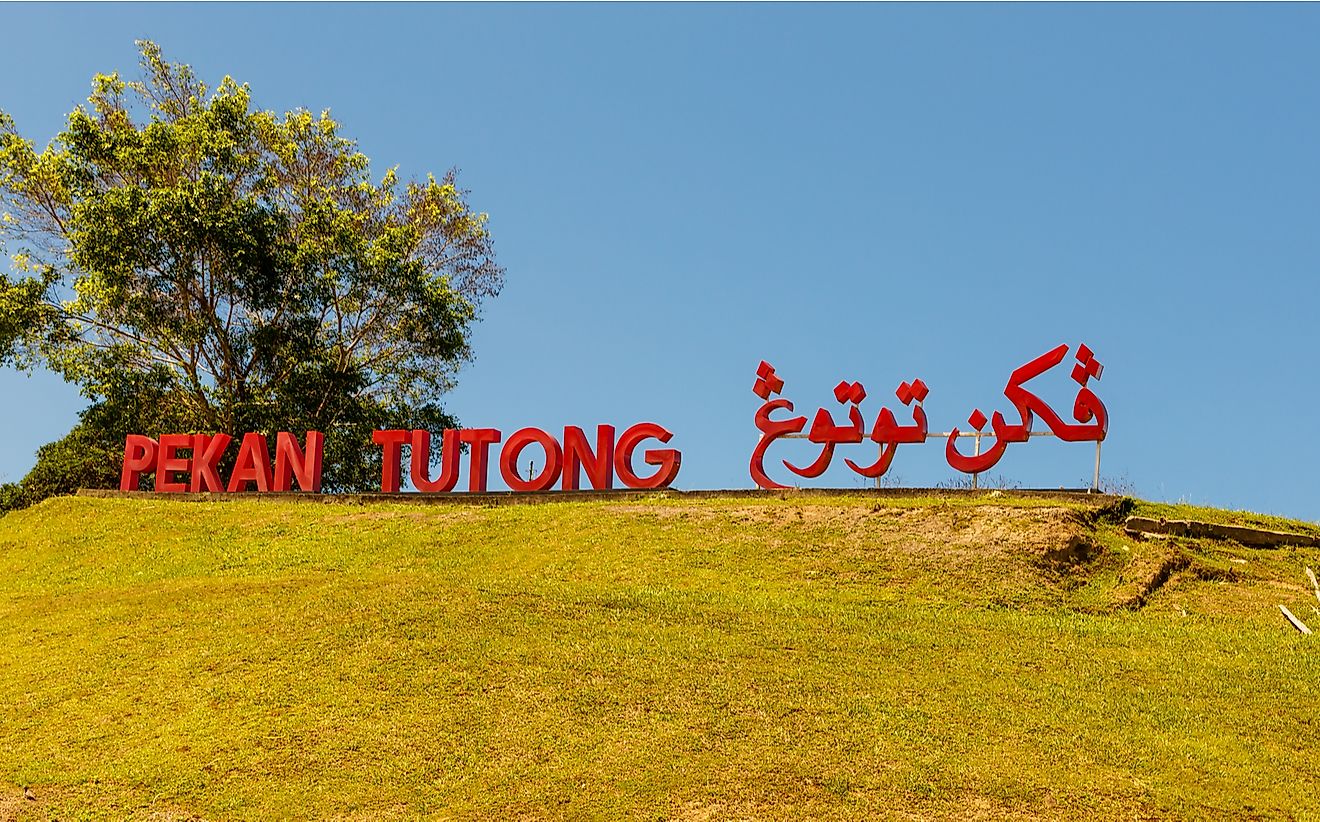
(542, 497)
(1194, 529)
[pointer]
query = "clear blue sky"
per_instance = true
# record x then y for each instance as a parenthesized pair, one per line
(873, 193)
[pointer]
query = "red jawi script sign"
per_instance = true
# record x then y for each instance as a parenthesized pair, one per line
(1092, 420)
(601, 459)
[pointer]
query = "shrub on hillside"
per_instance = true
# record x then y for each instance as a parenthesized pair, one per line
(81, 459)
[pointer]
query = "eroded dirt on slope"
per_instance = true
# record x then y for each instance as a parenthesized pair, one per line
(1012, 555)
(990, 553)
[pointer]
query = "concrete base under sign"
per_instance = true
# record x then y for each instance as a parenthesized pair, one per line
(535, 497)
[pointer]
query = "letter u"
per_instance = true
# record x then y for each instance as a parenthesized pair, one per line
(421, 462)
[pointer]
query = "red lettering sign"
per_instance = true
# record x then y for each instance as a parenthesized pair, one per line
(1089, 412)
(563, 463)
(144, 455)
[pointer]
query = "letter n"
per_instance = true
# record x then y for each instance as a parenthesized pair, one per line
(599, 466)
(290, 461)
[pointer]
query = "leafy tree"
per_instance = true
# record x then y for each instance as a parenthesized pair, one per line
(81, 459)
(194, 263)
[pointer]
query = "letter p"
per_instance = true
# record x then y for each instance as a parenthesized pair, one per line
(139, 456)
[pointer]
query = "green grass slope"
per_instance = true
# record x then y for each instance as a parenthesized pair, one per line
(760, 657)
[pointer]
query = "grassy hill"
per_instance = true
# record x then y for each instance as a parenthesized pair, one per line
(652, 657)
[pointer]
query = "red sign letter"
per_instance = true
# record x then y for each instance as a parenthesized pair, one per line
(543, 481)
(207, 452)
(392, 441)
(290, 461)
(577, 453)
(421, 462)
(253, 464)
(139, 455)
(167, 463)
(668, 459)
(480, 439)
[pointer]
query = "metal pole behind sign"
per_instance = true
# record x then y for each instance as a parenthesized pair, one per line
(976, 474)
(1095, 483)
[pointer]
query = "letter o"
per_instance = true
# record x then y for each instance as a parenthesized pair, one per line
(514, 445)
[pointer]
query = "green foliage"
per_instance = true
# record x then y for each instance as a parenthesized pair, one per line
(80, 459)
(89, 455)
(243, 264)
